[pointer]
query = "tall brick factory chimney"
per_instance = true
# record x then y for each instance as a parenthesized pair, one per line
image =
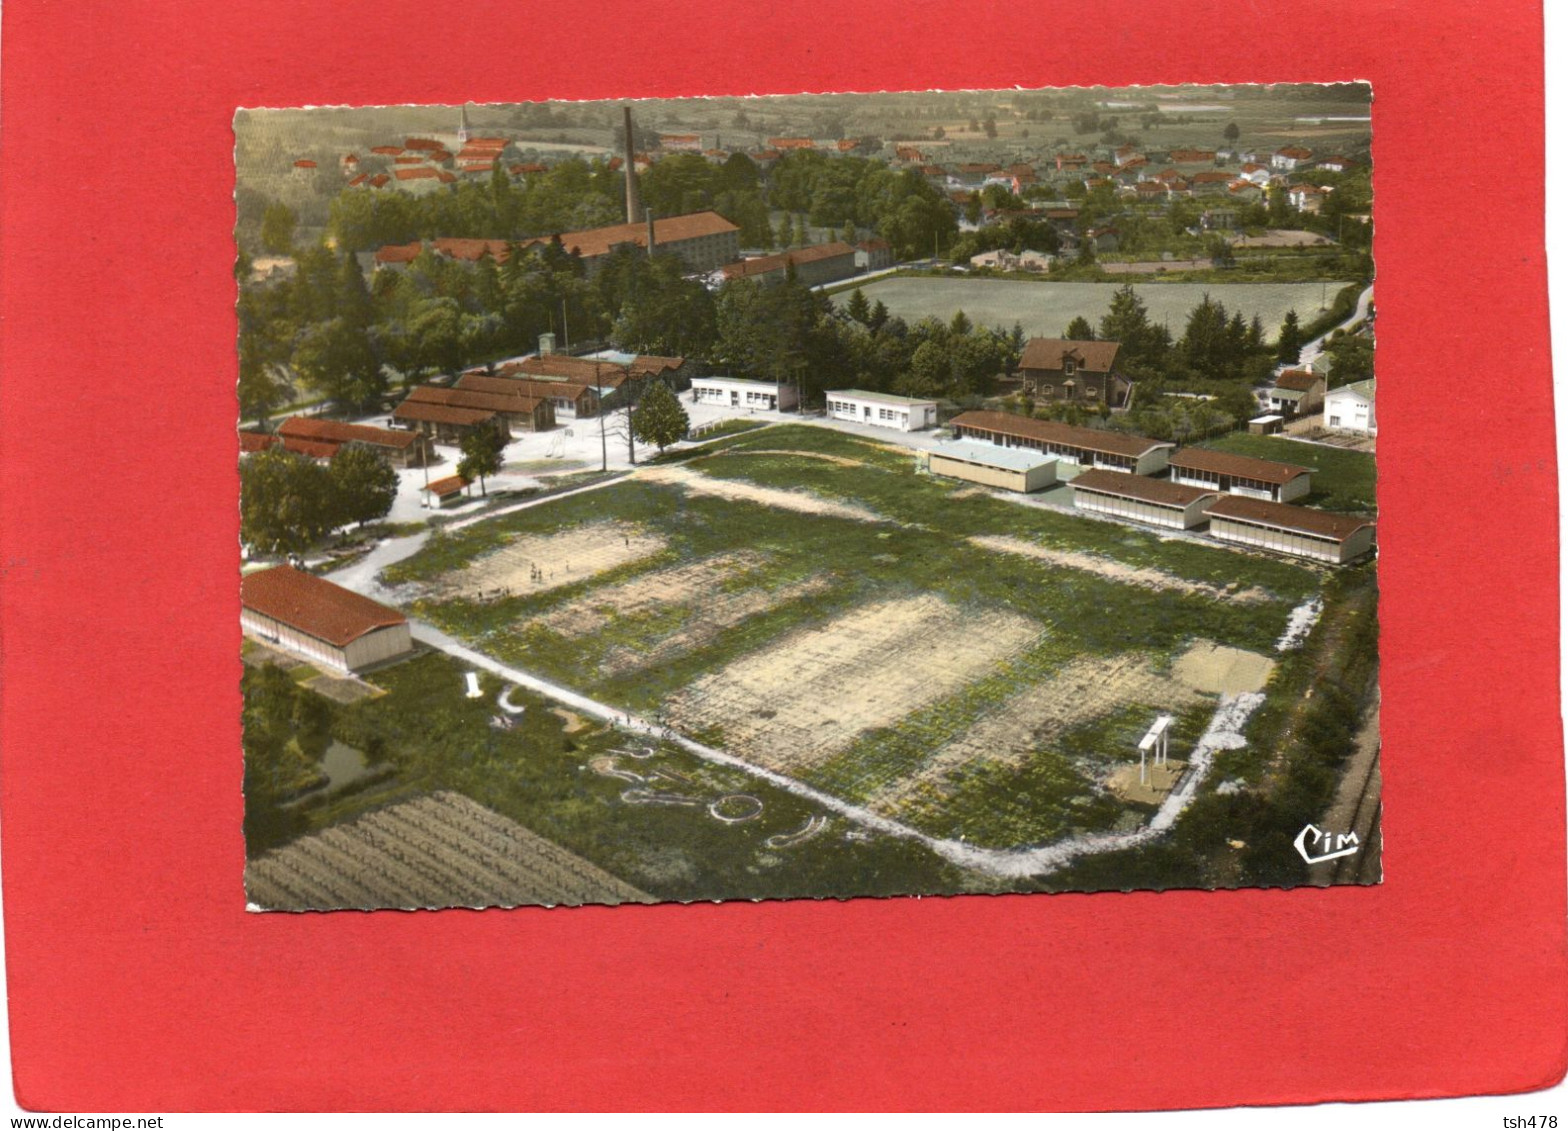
(633, 203)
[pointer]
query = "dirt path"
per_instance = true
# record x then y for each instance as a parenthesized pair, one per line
(1143, 577)
(733, 489)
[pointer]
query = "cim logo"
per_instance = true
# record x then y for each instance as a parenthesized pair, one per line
(1316, 846)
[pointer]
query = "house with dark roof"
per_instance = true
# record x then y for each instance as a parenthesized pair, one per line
(1081, 372)
(1296, 392)
(1076, 448)
(325, 623)
(1284, 529)
(1240, 475)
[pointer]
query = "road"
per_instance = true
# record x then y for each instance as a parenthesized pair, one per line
(1314, 349)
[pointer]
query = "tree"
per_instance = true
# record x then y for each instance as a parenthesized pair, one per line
(482, 454)
(277, 228)
(1232, 132)
(1079, 330)
(1127, 322)
(286, 502)
(659, 418)
(1290, 339)
(363, 485)
(336, 359)
(858, 307)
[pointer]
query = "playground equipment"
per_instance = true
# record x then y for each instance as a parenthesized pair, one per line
(1157, 742)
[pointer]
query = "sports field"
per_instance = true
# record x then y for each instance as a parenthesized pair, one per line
(1044, 309)
(973, 668)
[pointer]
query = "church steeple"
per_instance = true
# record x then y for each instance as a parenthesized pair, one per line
(462, 124)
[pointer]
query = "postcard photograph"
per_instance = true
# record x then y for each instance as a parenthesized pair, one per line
(809, 496)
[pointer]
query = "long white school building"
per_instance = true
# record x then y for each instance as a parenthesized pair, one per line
(736, 392)
(882, 409)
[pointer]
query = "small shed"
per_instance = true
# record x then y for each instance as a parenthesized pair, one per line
(1266, 425)
(444, 492)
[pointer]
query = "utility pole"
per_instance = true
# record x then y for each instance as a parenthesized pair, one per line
(566, 337)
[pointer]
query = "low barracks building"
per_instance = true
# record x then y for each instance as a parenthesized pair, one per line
(447, 423)
(513, 407)
(1240, 475)
(1012, 469)
(1285, 529)
(399, 447)
(323, 622)
(1156, 501)
(1075, 447)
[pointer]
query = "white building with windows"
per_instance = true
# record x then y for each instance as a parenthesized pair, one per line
(1352, 408)
(736, 392)
(882, 409)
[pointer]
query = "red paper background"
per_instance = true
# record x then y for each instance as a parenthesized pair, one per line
(137, 980)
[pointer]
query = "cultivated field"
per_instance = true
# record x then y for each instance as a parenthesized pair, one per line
(967, 666)
(1044, 309)
(441, 850)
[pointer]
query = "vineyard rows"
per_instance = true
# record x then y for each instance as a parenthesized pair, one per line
(442, 850)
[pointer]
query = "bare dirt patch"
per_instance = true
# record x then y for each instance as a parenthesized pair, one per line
(802, 501)
(1211, 667)
(790, 706)
(574, 722)
(1140, 576)
(1036, 717)
(1162, 779)
(712, 593)
(548, 561)
(674, 586)
(342, 689)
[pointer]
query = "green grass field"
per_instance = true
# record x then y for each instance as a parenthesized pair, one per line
(1044, 308)
(803, 573)
(1342, 480)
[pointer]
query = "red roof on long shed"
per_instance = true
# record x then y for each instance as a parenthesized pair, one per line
(314, 605)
